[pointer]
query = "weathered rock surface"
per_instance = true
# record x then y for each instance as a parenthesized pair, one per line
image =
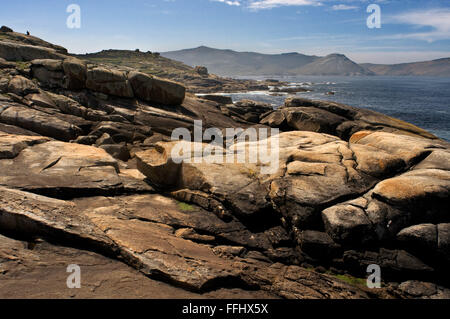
(336, 119)
(62, 169)
(221, 99)
(315, 177)
(31, 215)
(110, 82)
(22, 86)
(343, 188)
(153, 89)
(424, 290)
(23, 263)
(39, 122)
(23, 52)
(247, 110)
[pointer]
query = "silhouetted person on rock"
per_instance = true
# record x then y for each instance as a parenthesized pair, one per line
(28, 32)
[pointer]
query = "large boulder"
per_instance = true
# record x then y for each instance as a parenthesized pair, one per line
(5, 29)
(75, 72)
(22, 86)
(70, 73)
(108, 81)
(153, 89)
(159, 250)
(122, 132)
(428, 240)
(64, 170)
(336, 119)
(221, 99)
(423, 290)
(23, 52)
(48, 72)
(395, 264)
(201, 70)
(302, 180)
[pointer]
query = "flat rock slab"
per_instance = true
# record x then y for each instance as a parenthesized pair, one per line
(162, 210)
(148, 239)
(37, 269)
(31, 215)
(39, 122)
(12, 145)
(63, 170)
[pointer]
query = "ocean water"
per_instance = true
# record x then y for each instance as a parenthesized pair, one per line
(423, 101)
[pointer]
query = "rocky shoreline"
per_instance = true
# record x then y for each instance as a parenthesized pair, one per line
(87, 178)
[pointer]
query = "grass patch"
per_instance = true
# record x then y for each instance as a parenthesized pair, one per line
(22, 65)
(352, 280)
(185, 207)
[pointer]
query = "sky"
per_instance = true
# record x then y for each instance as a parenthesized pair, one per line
(410, 31)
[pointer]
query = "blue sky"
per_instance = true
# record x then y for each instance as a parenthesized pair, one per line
(411, 30)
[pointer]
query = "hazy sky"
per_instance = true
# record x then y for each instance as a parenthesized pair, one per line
(411, 30)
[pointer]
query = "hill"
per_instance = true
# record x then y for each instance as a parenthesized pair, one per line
(196, 80)
(333, 64)
(439, 67)
(232, 63)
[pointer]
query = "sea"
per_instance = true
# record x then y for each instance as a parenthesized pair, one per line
(423, 101)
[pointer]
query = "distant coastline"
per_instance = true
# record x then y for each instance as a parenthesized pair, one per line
(232, 63)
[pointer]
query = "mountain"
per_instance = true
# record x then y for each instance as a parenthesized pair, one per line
(232, 63)
(439, 67)
(333, 64)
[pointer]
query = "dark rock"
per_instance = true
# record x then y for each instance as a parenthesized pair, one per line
(394, 264)
(108, 81)
(221, 99)
(336, 119)
(85, 140)
(424, 290)
(428, 240)
(317, 245)
(22, 86)
(5, 29)
(75, 72)
(39, 122)
(247, 110)
(118, 151)
(289, 89)
(122, 132)
(201, 70)
(23, 52)
(6, 65)
(153, 89)
(104, 139)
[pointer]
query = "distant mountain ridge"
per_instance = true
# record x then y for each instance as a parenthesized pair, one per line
(439, 67)
(233, 63)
